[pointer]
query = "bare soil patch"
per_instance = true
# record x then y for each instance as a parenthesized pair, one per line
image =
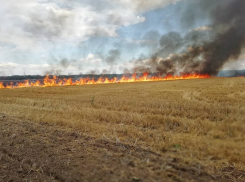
(32, 151)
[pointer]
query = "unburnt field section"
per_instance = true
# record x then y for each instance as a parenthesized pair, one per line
(184, 130)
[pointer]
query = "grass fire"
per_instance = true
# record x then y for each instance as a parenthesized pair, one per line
(49, 82)
(122, 90)
(192, 128)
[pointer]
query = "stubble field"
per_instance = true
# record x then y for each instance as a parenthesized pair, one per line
(194, 128)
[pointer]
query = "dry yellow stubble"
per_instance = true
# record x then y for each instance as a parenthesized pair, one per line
(201, 119)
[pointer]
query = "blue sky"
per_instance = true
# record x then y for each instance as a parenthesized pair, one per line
(72, 37)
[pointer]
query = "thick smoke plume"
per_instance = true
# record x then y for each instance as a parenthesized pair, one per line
(203, 50)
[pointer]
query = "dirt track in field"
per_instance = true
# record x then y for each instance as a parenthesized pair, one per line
(43, 152)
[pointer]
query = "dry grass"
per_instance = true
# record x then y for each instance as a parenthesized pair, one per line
(202, 120)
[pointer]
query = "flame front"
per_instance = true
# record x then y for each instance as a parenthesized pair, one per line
(49, 82)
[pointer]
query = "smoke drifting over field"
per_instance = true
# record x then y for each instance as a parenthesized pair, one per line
(203, 50)
(166, 36)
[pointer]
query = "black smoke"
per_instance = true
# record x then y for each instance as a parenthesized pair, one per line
(114, 55)
(206, 49)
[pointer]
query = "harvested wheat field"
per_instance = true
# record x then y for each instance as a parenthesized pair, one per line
(183, 130)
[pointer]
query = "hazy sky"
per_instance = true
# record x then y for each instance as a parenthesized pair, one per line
(82, 36)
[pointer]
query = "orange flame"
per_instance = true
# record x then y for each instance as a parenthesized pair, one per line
(49, 82)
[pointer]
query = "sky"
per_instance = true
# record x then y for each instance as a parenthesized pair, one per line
(85, 36)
